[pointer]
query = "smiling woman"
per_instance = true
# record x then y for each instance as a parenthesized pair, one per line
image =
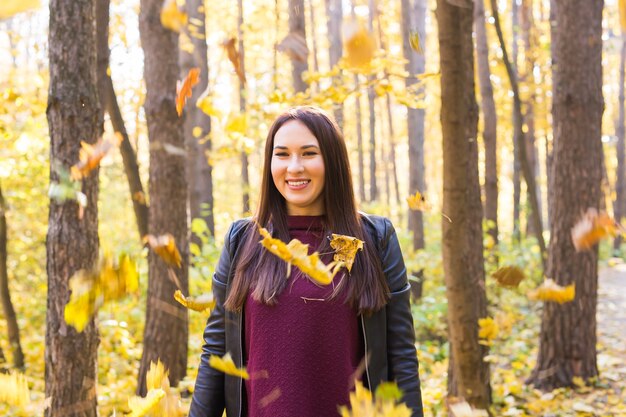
(305, 345)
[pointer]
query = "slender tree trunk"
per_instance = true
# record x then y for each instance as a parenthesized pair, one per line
(462, 237)
(5, 295)
(414, 19)
(245, 178)
(359, 140)
(166, 333)
(200, 172)
(550, 143)
(488, 107)
(567, 344)
(620, 186)
(72, 240)
(334, 16)
(316, 66)
(297, 27)
(371, 96)
(517, 127)
(108, 102)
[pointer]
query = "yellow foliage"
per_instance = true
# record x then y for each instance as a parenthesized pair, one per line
(171, 17)
(358, 45)
(463, 409)
(236, 123)
(551, 291)
(488, 330)
(205, 103)
(202, 303)
(418, 202)
(362, 404)
(10, 8)
(509, 276)
(149, 404)
(345, 248)
(157, 379)
(415, 42)
(14, 389)
(225, 364)
(165, 247)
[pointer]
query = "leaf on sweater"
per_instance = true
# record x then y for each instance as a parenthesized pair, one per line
(591, 228)
(345, 248)
(358, 45)
(202, 303)
(509, 276)
(14, 389)
(10, 8)
(172, 17)
(165, 247)
(225, 364)
(183, 88)
(91, 155)
(551, 291)
(143, 406)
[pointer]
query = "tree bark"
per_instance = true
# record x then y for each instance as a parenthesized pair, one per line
(316, 66)
(297, 27)
(488, 107)
(72, 239)
(462, 236)
(371, 96)
(359, 141)
(200, 172)
(517, 126)
(620, 185)
(414, 19)
(567, 344)
(108, 102)
(334, 16)
(165, 333)
(245, 178)
(5, 296)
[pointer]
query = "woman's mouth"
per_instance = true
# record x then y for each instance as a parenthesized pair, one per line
(297, 185)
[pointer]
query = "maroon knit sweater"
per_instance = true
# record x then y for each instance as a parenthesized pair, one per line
(302, 353)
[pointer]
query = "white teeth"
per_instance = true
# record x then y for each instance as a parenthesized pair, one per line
(297, 183)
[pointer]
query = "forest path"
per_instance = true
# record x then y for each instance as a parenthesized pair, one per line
(611, 317)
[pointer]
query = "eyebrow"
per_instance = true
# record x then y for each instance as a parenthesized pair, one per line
(302, 147)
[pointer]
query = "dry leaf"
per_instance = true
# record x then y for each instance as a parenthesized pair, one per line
(10, 8)
(294, 45)
(415, 42)
(509, 276)
(225, 364)
(345, 248)
(591, 228)
(165, 247)
(233, 57)
(418, 202)
(14, 389)
(183, 89)
(205, 103)
(487, 330)
(236, 123)
(91, 155)
(358, 44)
(140, 407)
(363, 403)
(551, 291)
(202, 303)
(171, 17)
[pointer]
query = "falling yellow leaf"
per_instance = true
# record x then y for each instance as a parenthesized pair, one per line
(205, 103)
(157, 379)
(364, 404)
(171, 16)
(202, 303)
(418, 202)
(225, 364)
(236, 123)
(358, 45)
(14, 389)
(165, 247)
(487, 331)
(183, 88)
(91, 155)
(140, 407)
(345, 248)
(591, 228)
(509, 276)
(415, 42)
(551, 291)
(10, 8)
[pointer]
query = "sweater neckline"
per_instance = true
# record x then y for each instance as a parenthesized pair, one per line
(305, 222)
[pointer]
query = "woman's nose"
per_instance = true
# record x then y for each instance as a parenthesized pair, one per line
(295, 165)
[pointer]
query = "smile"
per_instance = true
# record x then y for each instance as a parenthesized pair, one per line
(297, 185)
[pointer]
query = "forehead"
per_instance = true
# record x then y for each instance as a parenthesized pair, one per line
(294, 133)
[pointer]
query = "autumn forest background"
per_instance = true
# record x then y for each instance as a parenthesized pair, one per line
(491, 132)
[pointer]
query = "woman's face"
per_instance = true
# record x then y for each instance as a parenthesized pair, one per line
(298, 169)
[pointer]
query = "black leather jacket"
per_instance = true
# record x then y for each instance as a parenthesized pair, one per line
(388, 334)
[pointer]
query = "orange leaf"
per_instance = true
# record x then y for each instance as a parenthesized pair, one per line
(91, 155)
(509, 276)
(233, 57)
(165, 247)
(591, 228)
(183, 89)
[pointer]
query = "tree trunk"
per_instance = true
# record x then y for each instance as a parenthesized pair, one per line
(316, 66)
(359, 141)
(517, 127)
(371, 96)
(297, 28)
(334, 16)
(5, 295)
(462, 237)
(414, 19)
(108, 102)
(72, 240)
(620, 186)
(567, 344)
(550, 143)
(488, 107)
(165, 334)
(200, 172)
(245, 178)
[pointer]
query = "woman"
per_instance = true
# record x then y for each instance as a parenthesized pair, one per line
(304, 344)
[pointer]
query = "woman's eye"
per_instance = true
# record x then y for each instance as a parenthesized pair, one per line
(309, 153)
(281, 154)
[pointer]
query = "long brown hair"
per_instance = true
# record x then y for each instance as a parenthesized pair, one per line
(264, 273)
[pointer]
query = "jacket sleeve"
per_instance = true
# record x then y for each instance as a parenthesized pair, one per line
(208, 395)
(401, 353)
